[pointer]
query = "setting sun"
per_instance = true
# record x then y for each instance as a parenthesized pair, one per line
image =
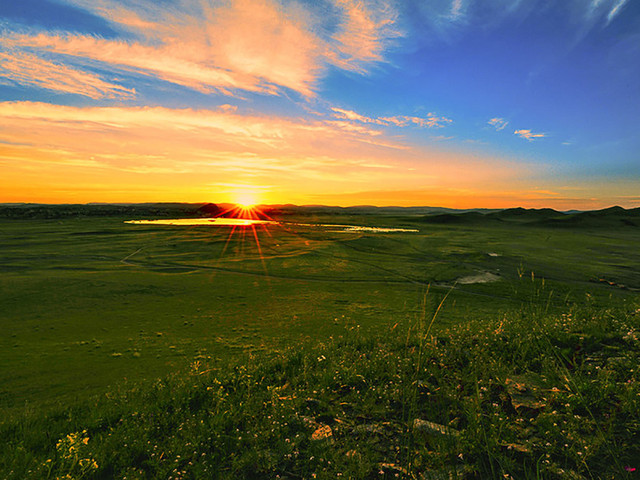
(245, 199)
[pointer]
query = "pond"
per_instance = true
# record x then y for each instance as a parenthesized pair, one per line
(245, 222)
(216, 222)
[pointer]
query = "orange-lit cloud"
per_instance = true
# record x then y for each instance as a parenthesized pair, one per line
(256, 46)
(184, 153)
(27, 69)
(529, 135)
(363, 34)
(498, 123)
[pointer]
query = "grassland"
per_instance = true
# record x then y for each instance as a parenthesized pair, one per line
(318, 333)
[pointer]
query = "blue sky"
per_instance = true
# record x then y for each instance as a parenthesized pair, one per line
(461, 103)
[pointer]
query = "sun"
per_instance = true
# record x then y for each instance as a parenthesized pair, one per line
(245, 199)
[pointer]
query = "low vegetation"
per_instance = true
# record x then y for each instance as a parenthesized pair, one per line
(506, 348)
(532, 395)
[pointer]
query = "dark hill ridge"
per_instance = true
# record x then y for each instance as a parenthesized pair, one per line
(133, 210)
(289, 209)
(511, 215)
(612, 217)
(466, 218)
(188, 210)
(523, 213)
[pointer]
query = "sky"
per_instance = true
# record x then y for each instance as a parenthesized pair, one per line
(452, 103)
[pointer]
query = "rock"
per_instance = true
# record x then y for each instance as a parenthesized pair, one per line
(368, 429)
(425, 426)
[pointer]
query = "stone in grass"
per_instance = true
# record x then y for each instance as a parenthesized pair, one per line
(426, 426)
(524, 394)
(368, 429)
(385, 429)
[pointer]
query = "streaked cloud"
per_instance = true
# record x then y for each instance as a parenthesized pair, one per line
(529, 135)
(498, 123)
(431, 120)
(615, 10)
(457, 8)
(27, 69)
(224, 46)
(351, 115)
(364, 32)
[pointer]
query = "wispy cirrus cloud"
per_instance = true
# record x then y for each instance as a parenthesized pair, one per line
(224, 46)
(457, 9)
(351, 115)
(431, 120)
(27, 69)
(365, 31)
(615, 10)
(529, 135)
(498, 123)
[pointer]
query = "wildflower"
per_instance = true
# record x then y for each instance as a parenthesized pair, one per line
(630, 469)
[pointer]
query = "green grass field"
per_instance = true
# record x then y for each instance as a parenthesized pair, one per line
(94, 311)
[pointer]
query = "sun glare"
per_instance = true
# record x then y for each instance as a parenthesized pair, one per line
(245, 199)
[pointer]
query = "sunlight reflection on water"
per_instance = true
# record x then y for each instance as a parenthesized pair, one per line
(358, 228)
(217, 222)
(242, 222)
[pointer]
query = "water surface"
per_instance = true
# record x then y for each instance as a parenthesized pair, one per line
(244, 222)
(217, 222)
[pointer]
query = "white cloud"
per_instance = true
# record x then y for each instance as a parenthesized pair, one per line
(457, 8)
(615, 10)
(431, 120)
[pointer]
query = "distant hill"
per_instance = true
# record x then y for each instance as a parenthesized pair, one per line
(613, 217)
(357, 210)
(525, 214)
(465, 218)
(134, 210)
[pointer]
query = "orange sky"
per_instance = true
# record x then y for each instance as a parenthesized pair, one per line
(63, 154)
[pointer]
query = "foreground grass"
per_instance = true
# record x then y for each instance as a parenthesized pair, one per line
(530, 396)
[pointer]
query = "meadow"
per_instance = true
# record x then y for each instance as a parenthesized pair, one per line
(467, 349)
